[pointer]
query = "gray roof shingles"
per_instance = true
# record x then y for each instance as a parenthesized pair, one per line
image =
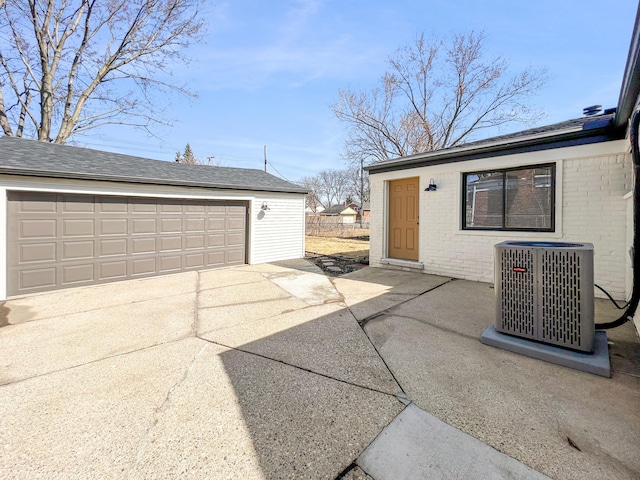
(19, 156)
(584, 125)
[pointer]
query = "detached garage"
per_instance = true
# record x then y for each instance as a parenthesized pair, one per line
(74, 216)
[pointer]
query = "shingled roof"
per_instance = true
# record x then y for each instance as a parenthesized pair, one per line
(20, 156)
(578, 131)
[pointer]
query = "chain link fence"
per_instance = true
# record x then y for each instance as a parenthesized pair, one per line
(332, 226)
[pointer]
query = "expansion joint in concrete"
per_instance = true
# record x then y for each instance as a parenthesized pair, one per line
(298, 367)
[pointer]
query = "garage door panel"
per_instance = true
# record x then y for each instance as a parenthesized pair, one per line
(112, 226)
(171, 225)
(216, 224)
(74, 274)
(71, 204)
(235, 257)
(194, 225)
(37, 252)
(76, 250)
(36, 279)
(194, 208)
(215, 259)
(235, 240)
(194, 242)
(235, 223)
(110, 247)
(81, 227)
(37, 228)
(113, 270)
(63, 240)
(112, 205)
(143, 266)
(143, 245)
(172, 243)
(238, 210)
(170, 264)
(175, 207)
(140, 226)
(143, 205)
(38, 203)
(216, 240)
(194, 260)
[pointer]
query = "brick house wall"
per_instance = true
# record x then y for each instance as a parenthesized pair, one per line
(591, 183)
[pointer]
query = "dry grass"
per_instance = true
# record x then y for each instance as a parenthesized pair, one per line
(337, 246)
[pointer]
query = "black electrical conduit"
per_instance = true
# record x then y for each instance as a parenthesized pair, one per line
(635, 249)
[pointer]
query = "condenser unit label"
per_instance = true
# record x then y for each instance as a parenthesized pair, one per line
(519, 269)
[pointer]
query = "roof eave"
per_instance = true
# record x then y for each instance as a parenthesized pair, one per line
(146, 181)
(630, 88)
(524, 145)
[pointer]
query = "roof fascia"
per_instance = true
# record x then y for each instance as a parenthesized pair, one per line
(146, 181)
(631, 80)
(571, 139)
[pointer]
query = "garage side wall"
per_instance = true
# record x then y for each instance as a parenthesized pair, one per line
(278, 231)
(591, 183)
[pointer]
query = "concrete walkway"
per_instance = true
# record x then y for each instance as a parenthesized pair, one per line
(264, 371)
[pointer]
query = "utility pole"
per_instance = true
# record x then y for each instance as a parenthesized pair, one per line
(361, 183)
(265, 158)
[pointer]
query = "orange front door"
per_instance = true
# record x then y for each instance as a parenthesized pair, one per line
(403, 218)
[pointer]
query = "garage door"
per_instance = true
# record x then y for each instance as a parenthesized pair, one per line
(60, 241)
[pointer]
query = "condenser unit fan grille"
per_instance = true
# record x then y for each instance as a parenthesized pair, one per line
(544, 292)
(518, 293)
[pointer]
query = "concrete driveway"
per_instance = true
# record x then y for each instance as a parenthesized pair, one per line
(265, 371)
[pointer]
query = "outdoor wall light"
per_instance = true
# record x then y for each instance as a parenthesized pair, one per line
(264, 206)
(432, 186)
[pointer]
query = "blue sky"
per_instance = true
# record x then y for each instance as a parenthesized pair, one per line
(268, 71)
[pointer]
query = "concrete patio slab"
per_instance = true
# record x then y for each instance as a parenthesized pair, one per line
(307, 283)
(325, 339)
(418, 445)
(531, 410)
(88, 421)
(226, 277)
(77, 300)
(237, 415)
(52, 344)
(255, 292)
(229, 316)
(370, 291)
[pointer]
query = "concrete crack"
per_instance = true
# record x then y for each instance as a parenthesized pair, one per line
(145, 439)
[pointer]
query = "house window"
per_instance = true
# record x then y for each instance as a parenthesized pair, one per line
(510, 199)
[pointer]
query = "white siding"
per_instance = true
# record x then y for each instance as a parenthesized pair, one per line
(591, 182)
(277, 233)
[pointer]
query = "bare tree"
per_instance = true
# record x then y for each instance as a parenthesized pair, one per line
(329, 187)
(73, 65)
(436, 94)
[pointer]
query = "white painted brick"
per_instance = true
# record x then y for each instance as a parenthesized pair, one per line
(590, 208)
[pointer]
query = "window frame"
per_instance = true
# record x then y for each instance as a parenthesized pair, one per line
(504, 172)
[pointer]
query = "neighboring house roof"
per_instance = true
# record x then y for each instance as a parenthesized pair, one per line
(20, 156)
(339, 210)
(578, 131)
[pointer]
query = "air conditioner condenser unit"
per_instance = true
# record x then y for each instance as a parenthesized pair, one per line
(544, 292)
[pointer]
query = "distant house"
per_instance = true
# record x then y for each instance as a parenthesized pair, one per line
(311, 211)
(343, 214)
(365, 211)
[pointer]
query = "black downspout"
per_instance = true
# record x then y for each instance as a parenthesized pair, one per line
(635, 249)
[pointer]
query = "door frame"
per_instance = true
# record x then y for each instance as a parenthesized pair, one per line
(387, 215)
